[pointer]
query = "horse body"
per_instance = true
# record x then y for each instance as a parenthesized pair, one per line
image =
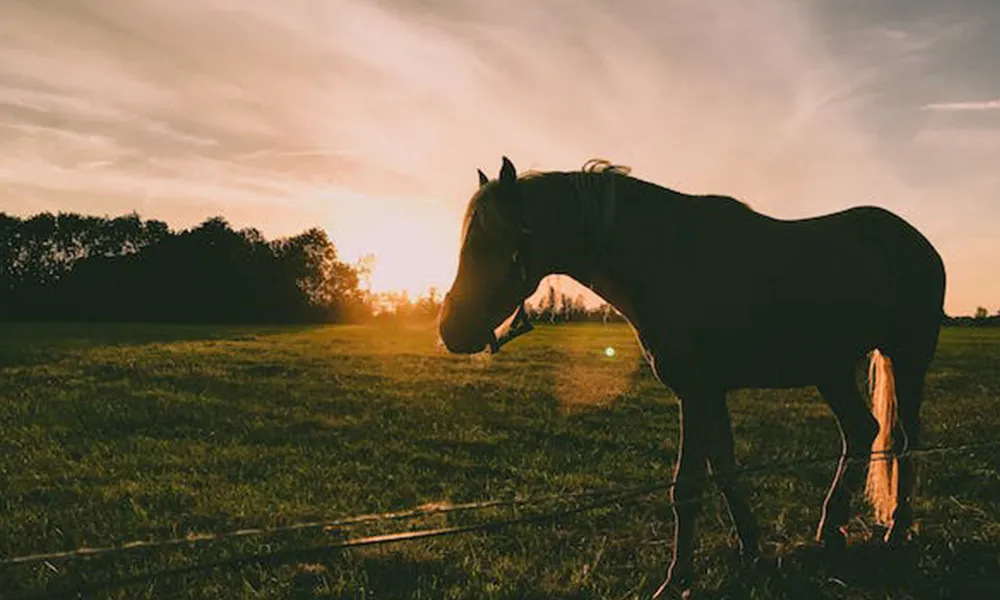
(744, 300)
(721, 298)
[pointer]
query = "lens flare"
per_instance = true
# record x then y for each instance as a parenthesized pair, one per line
(609, 352)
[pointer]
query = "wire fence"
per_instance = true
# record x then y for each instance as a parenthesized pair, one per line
(595, 500)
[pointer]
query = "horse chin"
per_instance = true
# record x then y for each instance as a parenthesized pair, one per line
(465, 346)
(464, 339)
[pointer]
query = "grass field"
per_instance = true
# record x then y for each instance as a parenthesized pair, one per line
(115, 433)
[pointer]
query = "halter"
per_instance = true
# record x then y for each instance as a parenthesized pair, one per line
(520, 325)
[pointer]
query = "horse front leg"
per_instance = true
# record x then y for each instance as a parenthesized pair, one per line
(722, 462)
(689, 483)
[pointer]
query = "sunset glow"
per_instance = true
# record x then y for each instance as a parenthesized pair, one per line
(369, 119)
(413, 243)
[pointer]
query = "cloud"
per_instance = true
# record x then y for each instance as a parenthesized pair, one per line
(923, 34)
(409, 102)
(965, 106)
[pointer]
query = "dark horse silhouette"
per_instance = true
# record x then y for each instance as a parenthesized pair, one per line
(722, 297)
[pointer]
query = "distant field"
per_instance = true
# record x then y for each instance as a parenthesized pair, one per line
(115, 433)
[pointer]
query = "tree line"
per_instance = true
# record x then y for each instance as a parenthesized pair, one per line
(73, 267)
(550, 306)
(981, 318)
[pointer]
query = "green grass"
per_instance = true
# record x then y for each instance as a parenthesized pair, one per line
(116, 433)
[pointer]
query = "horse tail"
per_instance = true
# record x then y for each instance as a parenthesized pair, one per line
(883, 465)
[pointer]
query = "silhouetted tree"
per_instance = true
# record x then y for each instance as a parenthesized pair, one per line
(428, 306)
(548, 307)
(89, 268)
(560, 307)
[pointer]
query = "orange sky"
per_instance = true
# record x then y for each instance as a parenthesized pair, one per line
(369, 118)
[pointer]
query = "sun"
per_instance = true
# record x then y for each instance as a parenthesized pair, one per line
(414, 246)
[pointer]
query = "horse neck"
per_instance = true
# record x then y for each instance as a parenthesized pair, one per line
(590, 225)
(573, 213)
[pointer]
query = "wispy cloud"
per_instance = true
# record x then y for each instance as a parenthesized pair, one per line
(965, 106)
(923, 34)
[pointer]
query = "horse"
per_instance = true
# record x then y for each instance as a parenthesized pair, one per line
(721, 297)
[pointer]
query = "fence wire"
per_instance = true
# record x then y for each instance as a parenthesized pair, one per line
(598, 499)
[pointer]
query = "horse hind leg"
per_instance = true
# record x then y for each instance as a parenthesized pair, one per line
(910, 392)
(858, 429)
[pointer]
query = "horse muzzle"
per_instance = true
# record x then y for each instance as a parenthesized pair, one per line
(459, 335)
(462, 334)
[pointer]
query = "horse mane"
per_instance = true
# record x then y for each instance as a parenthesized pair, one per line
(599, 169)
(601, 165)
(595, 166)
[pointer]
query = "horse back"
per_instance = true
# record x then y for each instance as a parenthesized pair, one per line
(863, 258)
(776, 301)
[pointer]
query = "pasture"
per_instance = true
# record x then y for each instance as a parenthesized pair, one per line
(115, 433)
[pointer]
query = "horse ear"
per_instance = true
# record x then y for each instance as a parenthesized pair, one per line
(483, 179)
(508, 174)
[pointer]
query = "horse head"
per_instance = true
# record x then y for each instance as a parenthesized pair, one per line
(493, 278)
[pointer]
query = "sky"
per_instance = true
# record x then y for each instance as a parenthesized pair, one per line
(369, 118)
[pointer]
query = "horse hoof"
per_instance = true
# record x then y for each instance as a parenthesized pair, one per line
(750, 558)
(879, 535)
(833, 543)
(750, 552)
(677, 585)
(672, 591)
(897, 536)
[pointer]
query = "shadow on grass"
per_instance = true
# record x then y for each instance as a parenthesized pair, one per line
(922, 569)
(396, 576)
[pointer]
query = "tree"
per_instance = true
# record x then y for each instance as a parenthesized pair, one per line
(364, 267)
(981, 313)
(429, 305)
(69, 266)
(550, 304)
